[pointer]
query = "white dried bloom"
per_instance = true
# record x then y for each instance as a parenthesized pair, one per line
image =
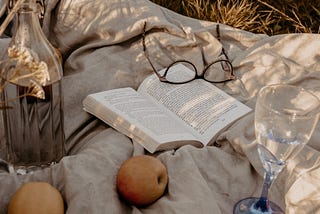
(22, 54)
(28, 66)
(36, 90)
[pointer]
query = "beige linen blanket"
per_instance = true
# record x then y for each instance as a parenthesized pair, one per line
(100, 41)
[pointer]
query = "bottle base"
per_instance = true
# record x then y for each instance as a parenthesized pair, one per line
(22, 170)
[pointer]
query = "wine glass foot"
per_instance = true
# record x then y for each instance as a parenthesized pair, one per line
(246, 206)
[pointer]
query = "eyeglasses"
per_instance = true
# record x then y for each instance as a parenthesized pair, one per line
(218, 71)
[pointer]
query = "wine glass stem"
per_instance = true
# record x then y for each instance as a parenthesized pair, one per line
(263, 203)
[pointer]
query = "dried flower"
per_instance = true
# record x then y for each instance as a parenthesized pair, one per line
(36, 90)
(28, 66)
(24, 68)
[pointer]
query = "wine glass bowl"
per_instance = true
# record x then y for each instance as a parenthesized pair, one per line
(285, 118)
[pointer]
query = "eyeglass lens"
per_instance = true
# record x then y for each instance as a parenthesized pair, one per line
(219, 71)
(177, 72)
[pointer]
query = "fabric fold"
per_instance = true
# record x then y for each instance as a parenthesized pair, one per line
(101, 46)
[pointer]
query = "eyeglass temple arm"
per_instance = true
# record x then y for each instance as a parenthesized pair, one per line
(161, 78)
(223, 52)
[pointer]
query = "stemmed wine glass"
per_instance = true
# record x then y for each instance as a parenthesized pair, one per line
(285, 118)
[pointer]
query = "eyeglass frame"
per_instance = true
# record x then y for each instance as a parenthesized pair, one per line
(163, 78)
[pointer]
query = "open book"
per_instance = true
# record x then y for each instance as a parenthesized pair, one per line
(163, 116)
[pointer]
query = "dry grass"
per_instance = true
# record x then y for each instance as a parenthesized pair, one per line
(259, 16)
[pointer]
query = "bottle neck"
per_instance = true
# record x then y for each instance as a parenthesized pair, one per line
(29, 3)
(27, 26)
(26, 5)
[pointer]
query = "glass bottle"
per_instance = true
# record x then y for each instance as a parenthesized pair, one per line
(33, 113)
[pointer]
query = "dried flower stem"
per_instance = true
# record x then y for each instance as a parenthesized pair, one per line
(10, 17)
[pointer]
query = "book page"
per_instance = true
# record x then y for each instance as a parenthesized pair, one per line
(137, 117)
(204, 108)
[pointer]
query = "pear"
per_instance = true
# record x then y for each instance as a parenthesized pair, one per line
(141, 180)
(36, 198)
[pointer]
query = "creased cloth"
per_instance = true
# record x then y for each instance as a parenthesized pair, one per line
(100, 41)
